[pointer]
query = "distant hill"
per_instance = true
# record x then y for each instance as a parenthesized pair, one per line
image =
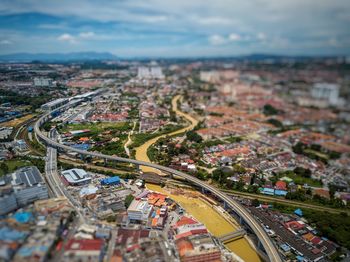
(98, 56)
(62, 57)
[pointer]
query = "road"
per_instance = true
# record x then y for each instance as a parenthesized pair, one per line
(284, 201)
(128, 142)
(51, 171)
(54, 180)
(266, 242)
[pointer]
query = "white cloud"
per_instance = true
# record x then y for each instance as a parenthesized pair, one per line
(261, 36)
(153, 19)
(5, 42)
(255, 21)
(87, 34)
(234, 37)
(221, 40)
(217, 40)
(333, 42)
(213, 20)
(67, 38)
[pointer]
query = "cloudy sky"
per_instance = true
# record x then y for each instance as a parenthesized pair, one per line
(133, 28)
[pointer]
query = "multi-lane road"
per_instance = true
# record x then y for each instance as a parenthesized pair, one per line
(57, 187)
(264, 239)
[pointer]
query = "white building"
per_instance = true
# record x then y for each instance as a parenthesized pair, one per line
(156, 72)
(42, 82)
(143, 72)
(150, 72)
(54, 104)
(76, 177)
(326, 91)
(209, 76)
(139, 210)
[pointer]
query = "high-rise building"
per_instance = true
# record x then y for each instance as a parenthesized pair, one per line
(326, 91)
(154, 72)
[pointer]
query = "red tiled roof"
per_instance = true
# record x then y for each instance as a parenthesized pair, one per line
(316, 240)
(191, 233)
(133, 234)
(84, 244)
(183, 245)
(321, 192)
(294, 225)
(281, 185)
(185, 221)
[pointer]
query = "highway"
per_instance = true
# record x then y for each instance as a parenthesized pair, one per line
(55, 182)
(51, 170)
(264, 239)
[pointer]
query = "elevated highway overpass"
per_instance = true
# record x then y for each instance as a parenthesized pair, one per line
(263, 239)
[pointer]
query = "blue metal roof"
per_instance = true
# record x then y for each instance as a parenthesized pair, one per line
(23, 217)
(298, 212)
(111, 180)
(280, 192)
(268, 191)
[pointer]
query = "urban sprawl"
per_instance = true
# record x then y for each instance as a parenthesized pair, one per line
(271, 136)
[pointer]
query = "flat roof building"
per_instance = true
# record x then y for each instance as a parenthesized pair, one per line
(8, 203)
(114, 180)
(76, 177)
(28, 185)
(54, 104)
(21, 188)
(43, 82)
(139, 210)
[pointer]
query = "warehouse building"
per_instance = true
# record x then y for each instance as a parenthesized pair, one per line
(21, 188)
(54, 104)
(76, 177)
(110, 181)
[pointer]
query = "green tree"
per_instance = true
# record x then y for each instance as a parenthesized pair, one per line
(4, 168)
(269, 110)
(193, 136)
(275, 122)
(304, 172)
(298, 148)
(255, 202)
(129, 198)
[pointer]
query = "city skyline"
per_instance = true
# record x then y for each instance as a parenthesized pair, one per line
(181, 29)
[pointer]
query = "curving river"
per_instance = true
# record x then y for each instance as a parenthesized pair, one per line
(197, 207)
